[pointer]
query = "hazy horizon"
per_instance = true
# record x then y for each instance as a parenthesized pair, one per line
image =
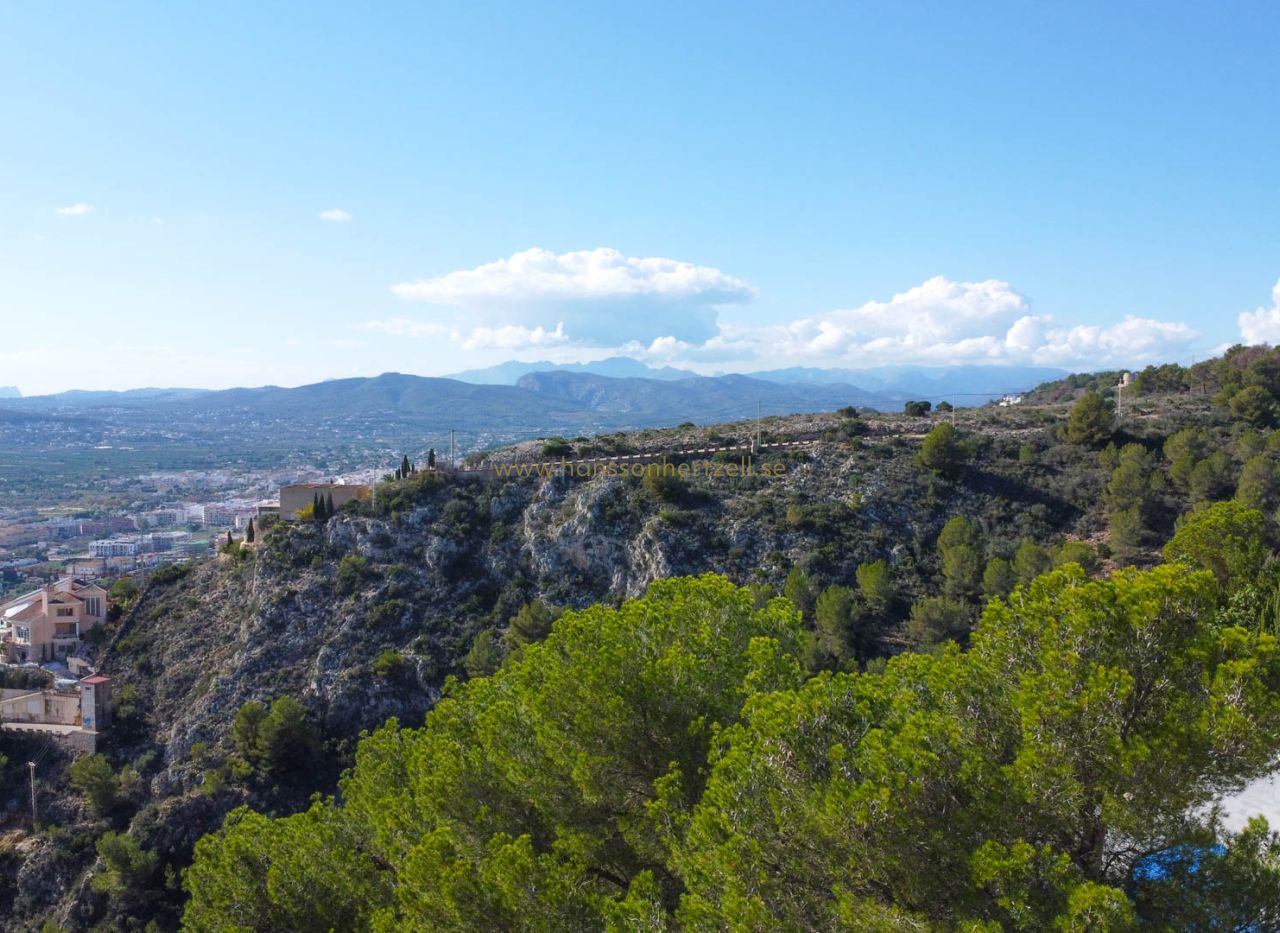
(457, 373)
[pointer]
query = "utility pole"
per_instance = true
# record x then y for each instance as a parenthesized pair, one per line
(32, 766)
(757, 444)
(453, 460)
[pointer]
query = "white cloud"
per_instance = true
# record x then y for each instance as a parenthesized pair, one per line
(1262, 325)
(592, 301)
(603, 297)
(594, 273)
(76, 210)
(666, 347)
(1134, 341)
(938, 322)
(938, 310)
(514, 337)
(335, 214)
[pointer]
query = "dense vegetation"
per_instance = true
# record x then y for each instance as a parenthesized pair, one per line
(939, 726)
(670, 764)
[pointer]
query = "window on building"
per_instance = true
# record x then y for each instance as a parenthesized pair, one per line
(64, 611)
(22, 632)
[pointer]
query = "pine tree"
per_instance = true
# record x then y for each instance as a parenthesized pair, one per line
(1091, 423)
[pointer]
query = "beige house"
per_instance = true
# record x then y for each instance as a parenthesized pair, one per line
(74, 715)
(47, 624)
(300, 495)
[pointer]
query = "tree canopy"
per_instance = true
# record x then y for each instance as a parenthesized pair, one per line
(1225, 537)
(943, 450)
(667, 765)
(1092, 421)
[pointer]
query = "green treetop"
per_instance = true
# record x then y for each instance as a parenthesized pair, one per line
(1092, 421)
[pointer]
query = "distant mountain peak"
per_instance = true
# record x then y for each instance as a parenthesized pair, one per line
(617, 367)
(10, 392)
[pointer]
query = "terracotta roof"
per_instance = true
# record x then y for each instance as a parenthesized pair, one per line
(96, 679)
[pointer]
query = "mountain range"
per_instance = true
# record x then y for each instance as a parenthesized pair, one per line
(969, 383)
(540, 400)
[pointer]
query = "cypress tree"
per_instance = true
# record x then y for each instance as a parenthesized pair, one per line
(404, 466)
(248, 532)
(431, 459)
(328, 507)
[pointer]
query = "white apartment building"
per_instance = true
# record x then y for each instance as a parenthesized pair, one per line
(129, 546)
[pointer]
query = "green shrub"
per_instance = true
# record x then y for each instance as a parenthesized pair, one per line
(1030, 561)
(875, 580)
(94, 777)
(557, 447)
(484, 657)
(943, 450)
(935, 619)
(352, 570)
(127, 866)
(1254, 405)
(1092, 421)
(532, 623)
(960, 548)
(998, 577)
(390, 665)
(1075, 552)
(169, 573)
(664, 484)
(1224, 537)
(1259, 486)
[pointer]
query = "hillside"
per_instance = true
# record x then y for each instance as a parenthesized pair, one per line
(61, 445)
(723, 398)
(366, 616)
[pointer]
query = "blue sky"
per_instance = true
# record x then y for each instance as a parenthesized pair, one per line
(717, 186)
